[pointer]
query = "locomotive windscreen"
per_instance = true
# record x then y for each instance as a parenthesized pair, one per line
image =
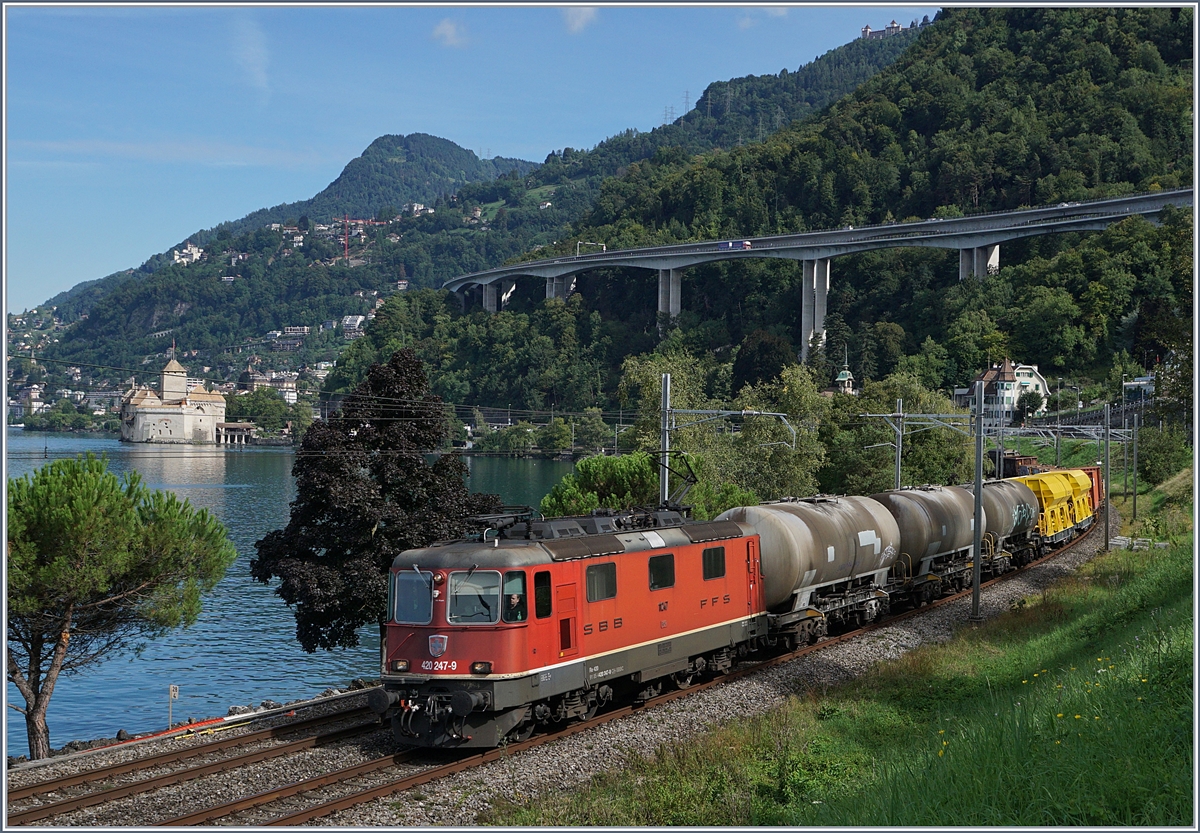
(474, 598)
(413, 597)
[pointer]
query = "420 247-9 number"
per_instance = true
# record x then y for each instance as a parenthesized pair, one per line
(439, 665)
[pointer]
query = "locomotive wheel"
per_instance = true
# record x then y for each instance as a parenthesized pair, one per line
(522, 733)
(683, 679)
(593, 707)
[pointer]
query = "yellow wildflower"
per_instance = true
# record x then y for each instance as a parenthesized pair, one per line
(1059, 714)
(1077, 716)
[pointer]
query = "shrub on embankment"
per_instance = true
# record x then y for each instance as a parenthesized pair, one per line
(1073, 708)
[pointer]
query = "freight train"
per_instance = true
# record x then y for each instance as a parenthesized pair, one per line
(539, 621)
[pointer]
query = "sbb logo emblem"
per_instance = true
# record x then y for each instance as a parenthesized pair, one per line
(437, 645)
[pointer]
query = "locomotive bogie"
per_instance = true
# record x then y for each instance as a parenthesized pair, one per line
(814, 543)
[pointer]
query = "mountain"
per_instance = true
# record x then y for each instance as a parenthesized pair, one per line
(522, 207)
(391, 172)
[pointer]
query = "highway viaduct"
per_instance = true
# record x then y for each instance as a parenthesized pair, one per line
(977, 238)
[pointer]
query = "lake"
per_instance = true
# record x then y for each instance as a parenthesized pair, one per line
(243, 649)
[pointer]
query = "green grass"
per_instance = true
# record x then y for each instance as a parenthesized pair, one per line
(967, 733)
(489, 209)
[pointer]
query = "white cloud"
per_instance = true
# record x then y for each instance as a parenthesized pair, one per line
(578, 18)
(776, 11)
(449, 33)
(745, 22)
(251, 54)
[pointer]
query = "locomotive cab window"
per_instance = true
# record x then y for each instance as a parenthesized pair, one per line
(601, 581)
(412, 595)
(474, 598)
(516, 603)
(714, 562)
(662, 571)
(541, 594)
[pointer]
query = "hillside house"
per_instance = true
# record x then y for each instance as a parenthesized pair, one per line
(190, 254)
(1003, 385)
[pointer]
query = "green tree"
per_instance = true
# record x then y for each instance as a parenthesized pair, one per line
(1027, 404)
(591, 432)
(761, 358)
(96, 564)
(364, 494)
(555, 435)
(1161, 453)
(265, 407)
(621, 482)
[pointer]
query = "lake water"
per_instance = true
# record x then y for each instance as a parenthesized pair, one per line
(243, 649)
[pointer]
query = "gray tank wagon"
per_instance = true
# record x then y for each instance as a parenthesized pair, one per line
(822, 559)
(1010, 510)
(936, 537)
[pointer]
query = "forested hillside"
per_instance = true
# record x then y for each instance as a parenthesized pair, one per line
(432, 248)
(989, 109)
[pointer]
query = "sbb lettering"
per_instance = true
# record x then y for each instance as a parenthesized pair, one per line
(588, 629)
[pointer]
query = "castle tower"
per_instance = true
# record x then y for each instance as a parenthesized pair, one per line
(173, 382)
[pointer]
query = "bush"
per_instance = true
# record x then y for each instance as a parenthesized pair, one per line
(1161, 454)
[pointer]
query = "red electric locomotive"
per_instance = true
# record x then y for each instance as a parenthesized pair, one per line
(546, 620)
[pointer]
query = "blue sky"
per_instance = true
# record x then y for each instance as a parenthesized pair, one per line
(129, 128)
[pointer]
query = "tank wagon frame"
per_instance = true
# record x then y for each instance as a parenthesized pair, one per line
(539, 621)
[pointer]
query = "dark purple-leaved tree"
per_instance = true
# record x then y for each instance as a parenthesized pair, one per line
(364, 494)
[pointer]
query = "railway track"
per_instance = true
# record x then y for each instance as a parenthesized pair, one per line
(50, 805)
(372, 779)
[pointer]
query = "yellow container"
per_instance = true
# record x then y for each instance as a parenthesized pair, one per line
(1054, 492)
(1081, 495)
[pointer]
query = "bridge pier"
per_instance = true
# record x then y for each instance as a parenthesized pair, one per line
(560, 287)
(497, 293)
(813, 294)
(669, 292)
(980, 261)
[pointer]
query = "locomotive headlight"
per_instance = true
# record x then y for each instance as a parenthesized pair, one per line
(399, 665)
(481, 668)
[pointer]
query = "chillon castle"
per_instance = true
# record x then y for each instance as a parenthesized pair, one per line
(173, 414)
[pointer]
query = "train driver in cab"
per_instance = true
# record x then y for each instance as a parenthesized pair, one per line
(515, 608)
(515, 612)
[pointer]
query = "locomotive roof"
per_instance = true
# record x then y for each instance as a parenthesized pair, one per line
(497, 553)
